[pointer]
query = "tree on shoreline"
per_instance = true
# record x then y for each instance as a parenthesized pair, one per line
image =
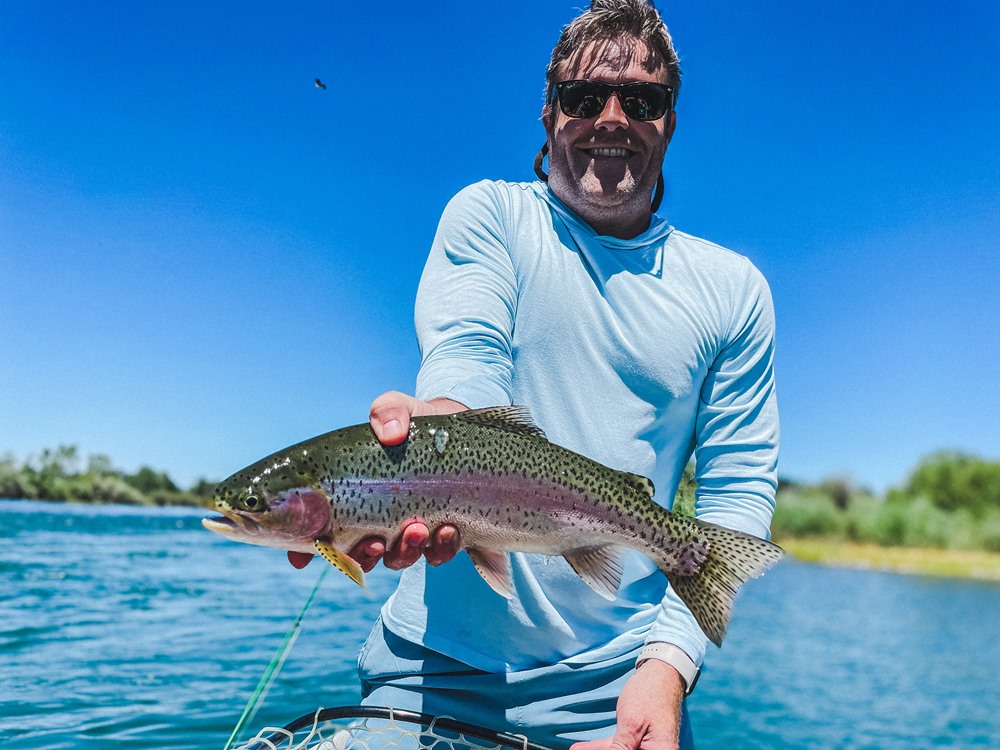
(55, 476)
(951, 500)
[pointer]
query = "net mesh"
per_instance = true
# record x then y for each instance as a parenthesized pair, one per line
(378, 728)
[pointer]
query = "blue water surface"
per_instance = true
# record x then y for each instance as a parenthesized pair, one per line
(136, 628)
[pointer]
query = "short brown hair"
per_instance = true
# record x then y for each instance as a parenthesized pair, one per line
(609, 20)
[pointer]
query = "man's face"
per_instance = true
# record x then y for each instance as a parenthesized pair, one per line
(605, 167)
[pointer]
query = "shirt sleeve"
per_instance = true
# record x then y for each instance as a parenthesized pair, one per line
(736, 443)
(466, 303)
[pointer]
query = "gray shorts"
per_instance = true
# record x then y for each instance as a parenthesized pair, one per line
(554, 705)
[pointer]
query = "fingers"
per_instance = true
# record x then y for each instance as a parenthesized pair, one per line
(368, 552)
(408, 548)
(416, 540)
(444, 545)
(390, 417)
(624, 739)
(390, 414)
(602, 744)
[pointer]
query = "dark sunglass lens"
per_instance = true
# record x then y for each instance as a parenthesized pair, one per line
(582, 99)
(644, 101)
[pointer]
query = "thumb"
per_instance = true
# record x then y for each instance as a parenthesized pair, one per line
(624, 739)
(390, 417)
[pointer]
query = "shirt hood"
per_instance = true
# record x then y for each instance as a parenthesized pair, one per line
(582, 231)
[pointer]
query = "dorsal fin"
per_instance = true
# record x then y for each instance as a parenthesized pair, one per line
(641, 483)
(515, 419)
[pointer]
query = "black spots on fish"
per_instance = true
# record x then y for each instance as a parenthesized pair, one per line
(642, 484)
(730, 559)
(692, 557)
(513, 419)
(396, 453)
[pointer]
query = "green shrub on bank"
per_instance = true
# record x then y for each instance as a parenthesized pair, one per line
(951, 501)
(956, 482)
(919, 523)
(989, 531)
(807, 512)
(54, 476)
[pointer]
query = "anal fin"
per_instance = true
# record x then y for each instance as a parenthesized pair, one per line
(494, 567)
(599, 567)
(340, 561)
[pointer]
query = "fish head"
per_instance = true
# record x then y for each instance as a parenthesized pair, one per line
(274, 503)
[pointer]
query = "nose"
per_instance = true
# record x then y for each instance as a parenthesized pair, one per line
(612, 117)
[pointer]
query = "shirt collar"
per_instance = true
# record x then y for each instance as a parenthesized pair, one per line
(657, 231)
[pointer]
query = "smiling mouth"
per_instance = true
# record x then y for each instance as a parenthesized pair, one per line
(609, 151)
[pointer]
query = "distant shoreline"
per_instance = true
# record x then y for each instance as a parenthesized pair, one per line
(975, 565)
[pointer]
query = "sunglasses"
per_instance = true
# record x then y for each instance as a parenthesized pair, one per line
(640, 101)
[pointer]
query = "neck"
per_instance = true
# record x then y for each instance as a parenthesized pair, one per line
(616, 227)
(623, 221)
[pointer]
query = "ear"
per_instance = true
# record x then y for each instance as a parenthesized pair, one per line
(548, 122)
(547, 116)
(668, 130)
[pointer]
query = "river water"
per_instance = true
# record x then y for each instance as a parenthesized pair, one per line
(136, 628)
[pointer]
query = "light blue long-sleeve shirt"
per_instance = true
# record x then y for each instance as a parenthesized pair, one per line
(635, 353)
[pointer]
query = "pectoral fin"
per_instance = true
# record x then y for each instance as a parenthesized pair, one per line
(340, 561)
(599, 567)
(494, 567)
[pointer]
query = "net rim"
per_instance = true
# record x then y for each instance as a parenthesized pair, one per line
(428, 721)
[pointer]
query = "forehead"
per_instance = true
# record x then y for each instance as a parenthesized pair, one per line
(623, 59)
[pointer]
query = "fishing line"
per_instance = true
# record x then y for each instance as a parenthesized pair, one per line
(277, 661)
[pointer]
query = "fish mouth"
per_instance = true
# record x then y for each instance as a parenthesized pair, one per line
(232, 525)
(294, 520)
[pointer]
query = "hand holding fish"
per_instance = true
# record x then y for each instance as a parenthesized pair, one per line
(390, 420)
(414, 541)
(390, 414)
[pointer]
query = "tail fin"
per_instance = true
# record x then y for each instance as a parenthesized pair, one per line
(733, 558)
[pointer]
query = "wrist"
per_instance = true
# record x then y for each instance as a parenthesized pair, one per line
(673, 656)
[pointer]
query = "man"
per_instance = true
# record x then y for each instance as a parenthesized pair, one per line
(631, 343)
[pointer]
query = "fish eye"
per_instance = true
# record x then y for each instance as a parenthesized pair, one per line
(252, 501)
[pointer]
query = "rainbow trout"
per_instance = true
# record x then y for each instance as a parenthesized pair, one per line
(492, 474)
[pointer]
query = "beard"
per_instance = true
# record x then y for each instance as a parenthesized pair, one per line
(604, 195)
(609, 190)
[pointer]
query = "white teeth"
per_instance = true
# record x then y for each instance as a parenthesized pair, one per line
(609, 152)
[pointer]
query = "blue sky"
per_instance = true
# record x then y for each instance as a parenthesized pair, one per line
(204, 257)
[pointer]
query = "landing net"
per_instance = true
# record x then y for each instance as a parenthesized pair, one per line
(377, 728)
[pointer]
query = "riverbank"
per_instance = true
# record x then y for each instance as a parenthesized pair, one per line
(944, 563)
